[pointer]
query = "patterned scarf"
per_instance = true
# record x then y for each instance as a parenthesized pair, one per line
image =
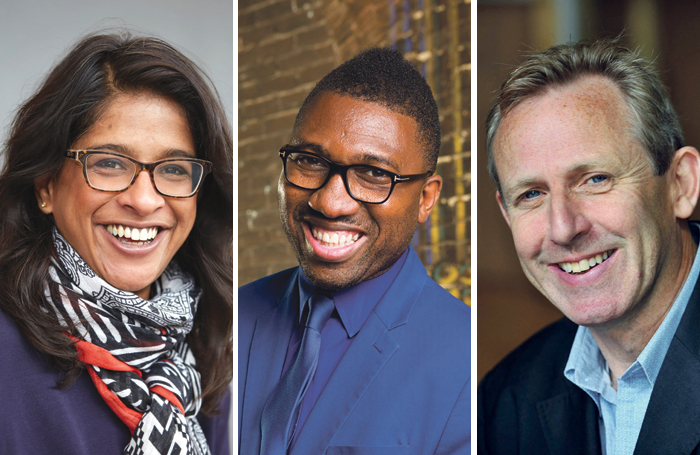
(135, 350)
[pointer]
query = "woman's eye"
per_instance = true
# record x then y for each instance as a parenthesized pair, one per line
(173, 169)
(109, 163)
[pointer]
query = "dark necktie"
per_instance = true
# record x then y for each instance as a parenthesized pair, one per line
(281, 409)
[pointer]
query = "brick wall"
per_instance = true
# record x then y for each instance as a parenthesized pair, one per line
(284, 48)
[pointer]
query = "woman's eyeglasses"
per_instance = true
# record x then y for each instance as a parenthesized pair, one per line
(114, 172)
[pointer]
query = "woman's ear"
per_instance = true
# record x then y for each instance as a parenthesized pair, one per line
(43, 190)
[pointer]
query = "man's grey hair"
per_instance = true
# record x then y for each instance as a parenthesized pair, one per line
(653, 120)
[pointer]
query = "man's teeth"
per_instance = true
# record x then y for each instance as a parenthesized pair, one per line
(584, 264)
(332, 238)
(144, 235)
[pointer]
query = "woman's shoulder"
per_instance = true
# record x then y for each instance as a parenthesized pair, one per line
(44, 419)
(217, 428)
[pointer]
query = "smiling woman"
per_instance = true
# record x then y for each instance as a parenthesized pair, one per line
(115, 251)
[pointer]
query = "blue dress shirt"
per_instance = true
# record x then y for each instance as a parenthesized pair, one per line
(622, 411)
(352, 308)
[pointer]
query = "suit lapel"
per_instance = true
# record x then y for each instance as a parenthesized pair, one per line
(364, 359)
(267, 353)
(671, 423)
(570, 423)
(371, 349)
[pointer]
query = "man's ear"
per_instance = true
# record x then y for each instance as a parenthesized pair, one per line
(43, 190)
(428, 197)
(502, 206)
(685, 181)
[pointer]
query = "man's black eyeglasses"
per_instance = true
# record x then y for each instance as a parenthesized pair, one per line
(363, 183)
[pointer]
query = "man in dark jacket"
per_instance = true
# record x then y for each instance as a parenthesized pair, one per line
(596, 185)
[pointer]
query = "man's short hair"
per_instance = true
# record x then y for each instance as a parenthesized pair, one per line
(381, 75)
(653, 120)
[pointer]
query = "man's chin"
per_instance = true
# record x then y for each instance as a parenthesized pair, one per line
(328, 278)
(594, 312)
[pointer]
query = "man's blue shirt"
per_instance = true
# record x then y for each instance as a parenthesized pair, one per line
(353, 307)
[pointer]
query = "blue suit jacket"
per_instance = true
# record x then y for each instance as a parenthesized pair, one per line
(402, 387)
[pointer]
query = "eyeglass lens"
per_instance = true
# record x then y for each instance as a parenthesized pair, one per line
(366, 183)
(114, 173)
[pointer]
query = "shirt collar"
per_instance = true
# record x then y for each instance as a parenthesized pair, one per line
(355, 303)
(586, 366)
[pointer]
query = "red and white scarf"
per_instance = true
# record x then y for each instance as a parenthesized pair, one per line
(135, 350)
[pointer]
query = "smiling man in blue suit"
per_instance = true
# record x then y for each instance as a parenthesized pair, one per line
(357, 350)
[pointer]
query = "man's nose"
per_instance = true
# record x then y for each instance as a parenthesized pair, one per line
(142, 196)
(333, 200)
(566, 219)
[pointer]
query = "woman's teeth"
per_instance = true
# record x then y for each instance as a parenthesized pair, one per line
(333, 239)
(584, 264)
(129, 234)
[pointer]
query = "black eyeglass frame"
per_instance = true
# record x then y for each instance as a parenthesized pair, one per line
(342, 169)
(81, 157)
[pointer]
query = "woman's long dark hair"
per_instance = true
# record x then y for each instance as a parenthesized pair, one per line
(68, 103)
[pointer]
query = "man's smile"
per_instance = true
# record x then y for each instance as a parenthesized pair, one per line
(332, 245)
(334, 239)
(585, 264)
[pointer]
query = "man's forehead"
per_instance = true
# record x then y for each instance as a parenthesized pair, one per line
(569, 127)
(346, 105)
(588, 96)
(588, 105)
(343, 124)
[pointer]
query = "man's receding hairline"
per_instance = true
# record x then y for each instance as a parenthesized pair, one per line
(545, 90)
(549, 89)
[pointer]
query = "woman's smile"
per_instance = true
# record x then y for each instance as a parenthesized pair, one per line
(129, 234)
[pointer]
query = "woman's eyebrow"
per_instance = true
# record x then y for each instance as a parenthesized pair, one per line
(124, 150)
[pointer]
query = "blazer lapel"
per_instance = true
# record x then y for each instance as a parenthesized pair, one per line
(671, 423)
(570, 423)
(369, 352)
(365, 357)
(267, 353)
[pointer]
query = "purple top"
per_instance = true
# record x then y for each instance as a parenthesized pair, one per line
(352, 308)
(39, 418)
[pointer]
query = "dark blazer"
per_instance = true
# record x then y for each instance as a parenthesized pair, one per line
(402, 387)
(527, 406)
